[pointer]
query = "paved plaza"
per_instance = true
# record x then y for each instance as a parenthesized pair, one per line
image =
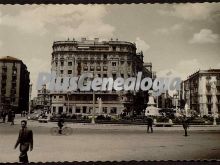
(112, 142)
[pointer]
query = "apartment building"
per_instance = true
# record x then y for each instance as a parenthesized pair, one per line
(201, 91)
(101, 58)
(14, 85)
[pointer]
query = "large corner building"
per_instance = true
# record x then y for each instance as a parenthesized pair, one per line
(102, 58)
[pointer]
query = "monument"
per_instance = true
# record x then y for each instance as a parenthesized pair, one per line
(151, 109)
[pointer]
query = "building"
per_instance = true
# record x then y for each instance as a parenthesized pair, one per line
(104, 59)
(165, 101)
(43, 99)
(201, 91)
(14, 85)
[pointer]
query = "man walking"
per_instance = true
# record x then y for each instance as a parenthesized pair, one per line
(4, 114)
(149, 124)
(12, 117)
(185, 125)
(60, 124)
(25, 139)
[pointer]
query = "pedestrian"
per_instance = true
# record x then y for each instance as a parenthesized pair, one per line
(60, 124)
(149, 124)
(3, 116)
(12, 117)
(185, 125)
(9, 116)
(25, 139)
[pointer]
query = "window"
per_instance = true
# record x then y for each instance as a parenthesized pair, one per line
(105, 110)
(209, 99)
(13, 99)
(60, 97)
(60, 111)
(105, 56)
(113, 110)
(122, 62)
(98, 68)
(13, 85)
(90, 109)
(69, 71)
(61, 63)
(85, 68)
(69, 63)
(114, 76)
(92, 60)
(105, 68)
(218, 99)
(61, 71)
(77, 109)
(84, 109)
(54, 109)
(14, 72)
(113, 63)
(56, 64)
(70, 110)
(92, 68)
(209, 109)
(114, 48)
(104, 75)
(122, 75)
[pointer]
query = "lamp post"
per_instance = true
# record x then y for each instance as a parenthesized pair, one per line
(213, 86)
(68, 101)
(30, 91)
(93, 109)
(175, 96)
(93, 103)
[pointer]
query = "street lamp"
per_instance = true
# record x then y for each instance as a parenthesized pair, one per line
(68, 101)
(213, 86)
(93, 102)
(30, 90)
(175, 96)
(93, 109)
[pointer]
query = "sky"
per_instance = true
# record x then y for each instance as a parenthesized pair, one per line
(178, 39)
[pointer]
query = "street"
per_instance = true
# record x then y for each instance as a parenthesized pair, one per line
(112, 142)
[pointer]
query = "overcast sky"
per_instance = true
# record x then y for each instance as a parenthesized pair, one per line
(178, 39)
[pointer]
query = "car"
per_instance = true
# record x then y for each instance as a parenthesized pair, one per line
(43, 119)
(33, 116)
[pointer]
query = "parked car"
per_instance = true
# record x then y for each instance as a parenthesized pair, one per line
(43, 119)
(33, 116)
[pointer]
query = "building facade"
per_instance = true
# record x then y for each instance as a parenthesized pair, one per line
(104, 59)
(201, 91)
(14, 85)
(43, 99)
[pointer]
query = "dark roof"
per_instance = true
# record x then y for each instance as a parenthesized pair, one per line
(9, 58)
